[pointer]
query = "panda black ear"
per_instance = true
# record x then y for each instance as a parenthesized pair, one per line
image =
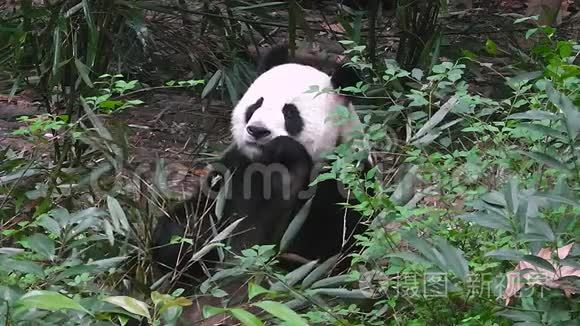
(344, 76)
(276, 56)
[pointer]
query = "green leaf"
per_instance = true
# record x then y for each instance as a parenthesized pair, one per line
(417, 73)
(454, 259)
(544, 130)
(532, 115)
(23, 266)
(491, 47)
(540, 227)
(109, 232)
(410, 257)
(517, 315)
(10, 294)
(530, 32)
(42, 245)
(539, 262)
(424, 247)
(209, 311)
(293, 277)
(107, 263)
(215, 242)
(118, 216)
(295, 225)
(356, 294)
(93, 33)
(557, 199)
(211, 84)
(96, 122)
(220, 201)
(232, 90)
(511, 195)
(506, 254)
(281, 312)
(255, 290)
(525, 77)
(406, 188)
(489, 220)
(495, 198)
(319, 271)
(246, 318)
(132, 305)
(49, 300)
(56, 34)
(417, 98)
(571, 112)
(547, 160)
(49, 224)
(332, 281)
(84, 72)
(437, 117)
(523, 19)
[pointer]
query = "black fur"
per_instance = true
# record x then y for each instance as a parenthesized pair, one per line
(284, 168)
(344, 76)
(252, 108)
(277, 55)
(292, 120)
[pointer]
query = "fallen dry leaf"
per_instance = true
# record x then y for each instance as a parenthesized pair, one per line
(528, 274)
(337, 28)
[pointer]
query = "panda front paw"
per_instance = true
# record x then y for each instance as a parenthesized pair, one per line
(285, 150)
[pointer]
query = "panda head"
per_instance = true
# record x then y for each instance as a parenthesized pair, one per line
(278, 104)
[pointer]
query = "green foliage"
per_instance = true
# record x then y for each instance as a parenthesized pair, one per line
(467, 242)
(114, 92)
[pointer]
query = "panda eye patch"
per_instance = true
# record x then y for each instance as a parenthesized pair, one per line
(292, 119)
(252, 108)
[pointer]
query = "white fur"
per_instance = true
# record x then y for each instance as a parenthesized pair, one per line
(288, 83)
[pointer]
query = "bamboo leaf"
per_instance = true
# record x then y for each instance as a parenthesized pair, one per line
(533, 115)
(281, 311)
(293, 277)
(506, 254)
(84, 72)
(246, 318)
(117, 215)
(42, 245)
(345, 293)
(211, 84)
(49, 300)
(539, 262)
(215, 242)
(490, 220)
(436, 118)
(332, 281)
(571, 112)
(132, 305)
(295, 226)
(255, 290)
(547, 160)
(454, 259)
(319, 271)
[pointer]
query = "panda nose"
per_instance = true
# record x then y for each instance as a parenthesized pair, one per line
(257, 132)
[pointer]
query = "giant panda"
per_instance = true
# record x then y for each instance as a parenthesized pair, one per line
(280, 133)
